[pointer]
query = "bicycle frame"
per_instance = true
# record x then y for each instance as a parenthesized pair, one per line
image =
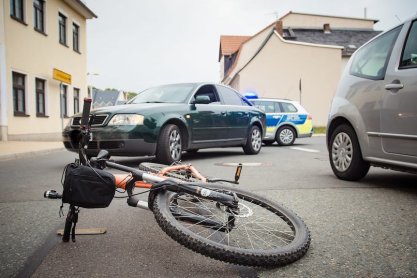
(122, 179)
(140, 179)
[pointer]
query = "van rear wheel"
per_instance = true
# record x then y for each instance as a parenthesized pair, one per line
(345, 154)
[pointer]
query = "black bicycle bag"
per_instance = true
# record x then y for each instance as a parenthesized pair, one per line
(87, 187)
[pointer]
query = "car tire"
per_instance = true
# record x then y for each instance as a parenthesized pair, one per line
(285, 136)
(345, 154)
(169, 147)
(254, 141)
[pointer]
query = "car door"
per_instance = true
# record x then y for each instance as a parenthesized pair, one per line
(237, 117)
(207, 121)
(273, 116)
(399, 102)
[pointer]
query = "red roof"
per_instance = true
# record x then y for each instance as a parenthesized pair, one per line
(231, 44)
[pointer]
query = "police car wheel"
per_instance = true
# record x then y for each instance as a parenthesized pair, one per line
(285, 136)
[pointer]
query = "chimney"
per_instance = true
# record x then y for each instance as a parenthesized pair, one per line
(326, 28)
(279, 28)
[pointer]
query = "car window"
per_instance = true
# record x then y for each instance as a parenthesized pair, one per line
(288, 107)
(409, 55)
(266, 106)
(176, 93)
(371, 60)
(207, 90)
(277, 107)
(230, 97)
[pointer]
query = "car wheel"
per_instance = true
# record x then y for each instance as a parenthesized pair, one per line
(169, 146)
(345, 154)
(254, 142)
(285, 136)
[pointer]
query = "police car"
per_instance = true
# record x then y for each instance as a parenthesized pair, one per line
(286, 120)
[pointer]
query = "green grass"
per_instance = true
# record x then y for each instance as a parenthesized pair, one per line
(319, 129)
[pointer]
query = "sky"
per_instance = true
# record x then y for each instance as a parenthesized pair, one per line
(136, 44)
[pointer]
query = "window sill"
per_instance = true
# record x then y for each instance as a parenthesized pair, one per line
(42, 116)
(20, 114)
(19, 20)
(77, 51)
(40, 32)
(64, 44)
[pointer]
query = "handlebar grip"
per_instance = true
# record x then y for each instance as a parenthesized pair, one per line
(86, 111)
(67, 228)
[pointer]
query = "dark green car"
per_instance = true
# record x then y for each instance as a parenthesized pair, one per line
(165, 121)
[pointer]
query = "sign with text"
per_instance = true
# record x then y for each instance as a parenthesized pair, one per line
(62, 76)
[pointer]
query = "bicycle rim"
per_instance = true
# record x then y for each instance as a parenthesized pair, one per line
(264, 233)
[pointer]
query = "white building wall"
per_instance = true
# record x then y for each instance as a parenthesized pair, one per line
(278, 68)
(36, 55)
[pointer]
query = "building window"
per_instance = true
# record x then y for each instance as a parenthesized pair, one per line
(76, 100)
(76, 37)
(17, 9)
(38, 15)
(62, 29)
(19, 104)
(40, 97)
(64, 112)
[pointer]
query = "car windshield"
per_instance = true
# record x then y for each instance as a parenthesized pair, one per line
(177, 93)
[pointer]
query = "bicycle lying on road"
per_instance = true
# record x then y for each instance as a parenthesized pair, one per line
(210, 216)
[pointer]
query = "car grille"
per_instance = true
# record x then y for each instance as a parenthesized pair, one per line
(93, 145)
(98, 120)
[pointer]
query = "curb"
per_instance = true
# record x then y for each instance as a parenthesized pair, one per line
(5, 157)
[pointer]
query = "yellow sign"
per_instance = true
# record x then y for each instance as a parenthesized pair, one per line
(62, 76)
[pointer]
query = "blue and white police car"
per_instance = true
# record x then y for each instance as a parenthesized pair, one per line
(286, 120)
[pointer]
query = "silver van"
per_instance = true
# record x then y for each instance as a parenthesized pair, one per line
(373, 116)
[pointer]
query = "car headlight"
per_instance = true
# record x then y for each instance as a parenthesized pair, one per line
(127, 119)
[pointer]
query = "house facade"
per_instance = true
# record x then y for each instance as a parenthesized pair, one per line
(43, 66)
(298, 57)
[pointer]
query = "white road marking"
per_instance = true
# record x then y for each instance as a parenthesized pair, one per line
(305, 150)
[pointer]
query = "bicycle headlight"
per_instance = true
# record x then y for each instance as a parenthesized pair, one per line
(126, 119)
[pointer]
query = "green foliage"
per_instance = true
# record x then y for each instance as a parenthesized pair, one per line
(319, 129)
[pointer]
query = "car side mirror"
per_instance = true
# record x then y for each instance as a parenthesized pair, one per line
(202, 100)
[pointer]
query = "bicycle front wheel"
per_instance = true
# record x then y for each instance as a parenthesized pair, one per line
(263, 233)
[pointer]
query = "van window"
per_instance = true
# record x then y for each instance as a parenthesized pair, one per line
(371, 60)
(409, 55)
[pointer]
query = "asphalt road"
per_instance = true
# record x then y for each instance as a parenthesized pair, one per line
(364, 229)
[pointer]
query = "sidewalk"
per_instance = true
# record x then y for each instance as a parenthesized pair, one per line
(15, 149)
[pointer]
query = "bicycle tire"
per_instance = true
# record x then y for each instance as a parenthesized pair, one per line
(156, 168)
(235, 247)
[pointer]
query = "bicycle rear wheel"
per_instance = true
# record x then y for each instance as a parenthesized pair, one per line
(265, 234)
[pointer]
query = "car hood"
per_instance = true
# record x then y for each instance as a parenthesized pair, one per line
(141, 108)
